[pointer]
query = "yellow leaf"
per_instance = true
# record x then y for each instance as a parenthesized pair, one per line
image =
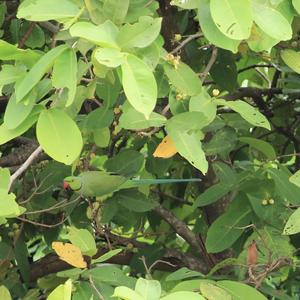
(166, 148)
(70, 254)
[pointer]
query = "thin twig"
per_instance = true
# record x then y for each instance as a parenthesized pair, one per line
(186, 41)
(42, 224)
(210, 63)
(26, 36)
(95, 288)
(25, 165)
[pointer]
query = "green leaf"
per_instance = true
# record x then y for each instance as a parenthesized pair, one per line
(4, 180)
(16, 113)
(127, 163)
(211, 291)
(44, 10)
(271, 21)
(9, 208)
(59, 136)
(260, 145)
(149, 289)
(104, 35)
(183, 78)
(12, 52)
(291, 59)
(62, 292)
(287, 190)
(248, 112)
(64, 73)
(83, 239)
(212, 194)
(140, 34)
(126, 293)
(292, 226)
(116, 10)
(233, 17)
(37, 72)
(189, 146)
(296, 4)
(212, 32)
(183, 295)
(111, 58)
(203, 103)
(99, 118)
(134, 200)
(295, 179)
(10, 74)
(240, 291)
(139, 85)
(4, 293)
(7, 134)
(183, 273)
(229, 226)
(132, 119)
(108, 255)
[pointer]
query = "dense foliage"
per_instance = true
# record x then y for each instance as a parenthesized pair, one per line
(149, 149)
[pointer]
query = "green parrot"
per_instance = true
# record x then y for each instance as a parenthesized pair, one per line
(100, 183)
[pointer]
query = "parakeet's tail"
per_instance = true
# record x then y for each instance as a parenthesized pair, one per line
(162, 181)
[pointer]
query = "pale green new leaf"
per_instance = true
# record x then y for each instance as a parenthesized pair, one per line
(295, 179)
(59, 136)
(9, 208)
(248, 112)
(150, 289)
(189, 4)
(296, 4)
(140, 34)
(183, 78)
(109, 57)
(4, 293)
(139, 85)
(37, 72)
(62, 292)
(292, 226)
(212, 32)
(44, 10)
(104, 35)
(183, 295)
(271, 21)
(125, 293)
(83, 239)
(233, 17)
(64, 73)
(211, 291)
(292, 59)
(240, 291)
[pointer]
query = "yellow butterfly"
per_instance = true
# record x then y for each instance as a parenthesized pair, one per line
(69, 253)
(166, 148)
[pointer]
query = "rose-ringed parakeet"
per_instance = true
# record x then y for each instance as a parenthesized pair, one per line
(100, 183)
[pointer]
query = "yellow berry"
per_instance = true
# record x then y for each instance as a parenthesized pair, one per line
(271, 201)
(215, 92)
(117, 110)
(264, 202)
(177, 37)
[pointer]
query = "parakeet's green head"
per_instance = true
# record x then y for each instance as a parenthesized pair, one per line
(73, 183)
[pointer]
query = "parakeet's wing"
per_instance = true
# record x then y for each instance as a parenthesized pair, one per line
(100, 183)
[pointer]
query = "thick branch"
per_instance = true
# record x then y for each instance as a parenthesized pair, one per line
(181, 228)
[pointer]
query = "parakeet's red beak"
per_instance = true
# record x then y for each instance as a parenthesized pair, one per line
(66, 185)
